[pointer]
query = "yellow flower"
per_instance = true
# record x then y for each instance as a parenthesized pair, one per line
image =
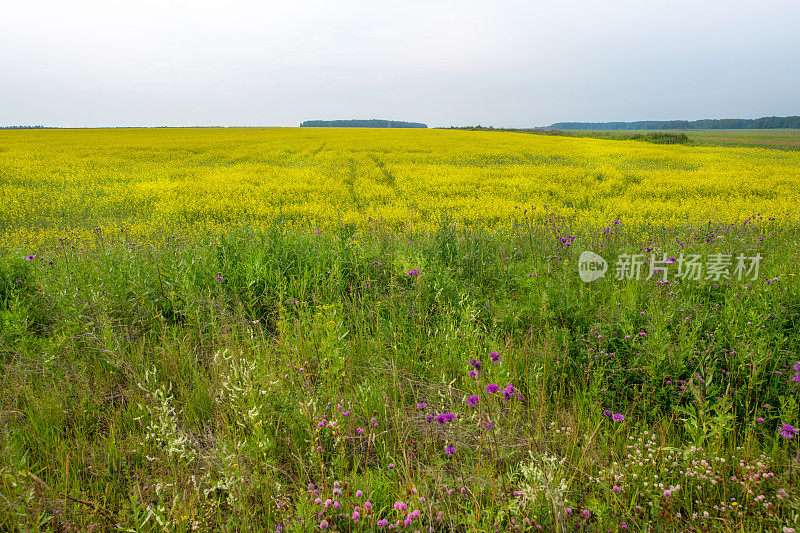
(57, 181)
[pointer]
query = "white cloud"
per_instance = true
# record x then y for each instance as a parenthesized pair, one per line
(512, 63)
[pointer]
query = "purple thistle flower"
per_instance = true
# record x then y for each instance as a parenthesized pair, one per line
(616, 417)
(495, 357)
(422, 405)
(473, 374)
(444, 418)
(382, 522)
(509, 392)
(413, 272)
(476, 364)
(607, 413)
(472, 401)
(787, 431)
(491, 389)
(450, 450)
(30, 257)
(220, 278)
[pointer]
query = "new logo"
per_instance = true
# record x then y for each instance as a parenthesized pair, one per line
(591, 266)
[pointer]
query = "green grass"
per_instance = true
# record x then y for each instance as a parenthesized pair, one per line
(777, 139)
(783, 139)
(229, 382)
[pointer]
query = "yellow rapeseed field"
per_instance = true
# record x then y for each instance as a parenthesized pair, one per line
(149, 182)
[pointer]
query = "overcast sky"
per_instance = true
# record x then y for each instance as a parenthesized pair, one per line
(502, 63)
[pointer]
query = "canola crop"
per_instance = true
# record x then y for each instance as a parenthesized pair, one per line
(145, 183)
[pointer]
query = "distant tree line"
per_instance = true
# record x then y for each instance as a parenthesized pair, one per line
(21, 127)
(357, 123)
(705, 124)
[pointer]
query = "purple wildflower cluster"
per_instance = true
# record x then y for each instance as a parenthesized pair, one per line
(796, 368)
(568, 241)
(616, 417)
(444, 418)
(476, 368)
(609, 230)
(332, 510)
(509, 392)
(786, 431)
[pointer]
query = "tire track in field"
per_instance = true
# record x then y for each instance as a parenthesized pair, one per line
(316, 151)
(389, 178)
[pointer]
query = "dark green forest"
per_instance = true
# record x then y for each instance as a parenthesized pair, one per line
(705, 124)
